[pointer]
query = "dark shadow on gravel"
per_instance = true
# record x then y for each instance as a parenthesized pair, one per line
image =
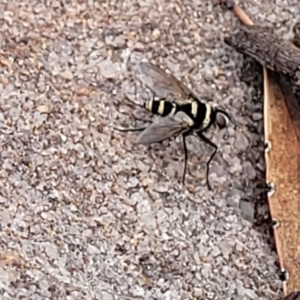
(251, 75)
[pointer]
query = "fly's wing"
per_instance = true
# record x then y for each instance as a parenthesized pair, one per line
(163, 84)
(160, 130)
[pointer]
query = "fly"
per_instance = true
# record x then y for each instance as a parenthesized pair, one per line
(182, 113)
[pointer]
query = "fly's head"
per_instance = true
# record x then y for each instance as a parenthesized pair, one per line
(221, 118)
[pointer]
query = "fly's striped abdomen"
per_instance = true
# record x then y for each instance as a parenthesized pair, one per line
(160, 107)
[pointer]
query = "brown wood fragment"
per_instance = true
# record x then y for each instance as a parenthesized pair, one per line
(291, 102)
(283, 170)
(262, 44)
(292, 296)
(244, 18)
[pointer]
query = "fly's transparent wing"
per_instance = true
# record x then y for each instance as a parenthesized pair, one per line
(163, 84)
(161, 129)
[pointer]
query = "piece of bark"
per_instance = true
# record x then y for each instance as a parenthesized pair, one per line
(292, 99)
(292, 296)
(262, 44)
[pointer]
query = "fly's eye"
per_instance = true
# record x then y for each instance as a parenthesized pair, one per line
(221, 120)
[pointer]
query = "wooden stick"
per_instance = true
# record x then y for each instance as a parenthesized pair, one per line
(244, 18)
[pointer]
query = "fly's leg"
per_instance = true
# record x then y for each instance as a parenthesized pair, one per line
(122, 129)
(129, 129)
(130, 100)
(185, 157)
(144, 120)
(184, 135)
(207, 141)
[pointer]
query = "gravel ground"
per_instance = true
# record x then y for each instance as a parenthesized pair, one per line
(85, 213)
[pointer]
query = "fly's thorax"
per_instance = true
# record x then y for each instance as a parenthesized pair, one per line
(200, 113)
(194, 112)
(221, 118)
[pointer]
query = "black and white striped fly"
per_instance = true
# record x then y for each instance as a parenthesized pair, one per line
(181, 112)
